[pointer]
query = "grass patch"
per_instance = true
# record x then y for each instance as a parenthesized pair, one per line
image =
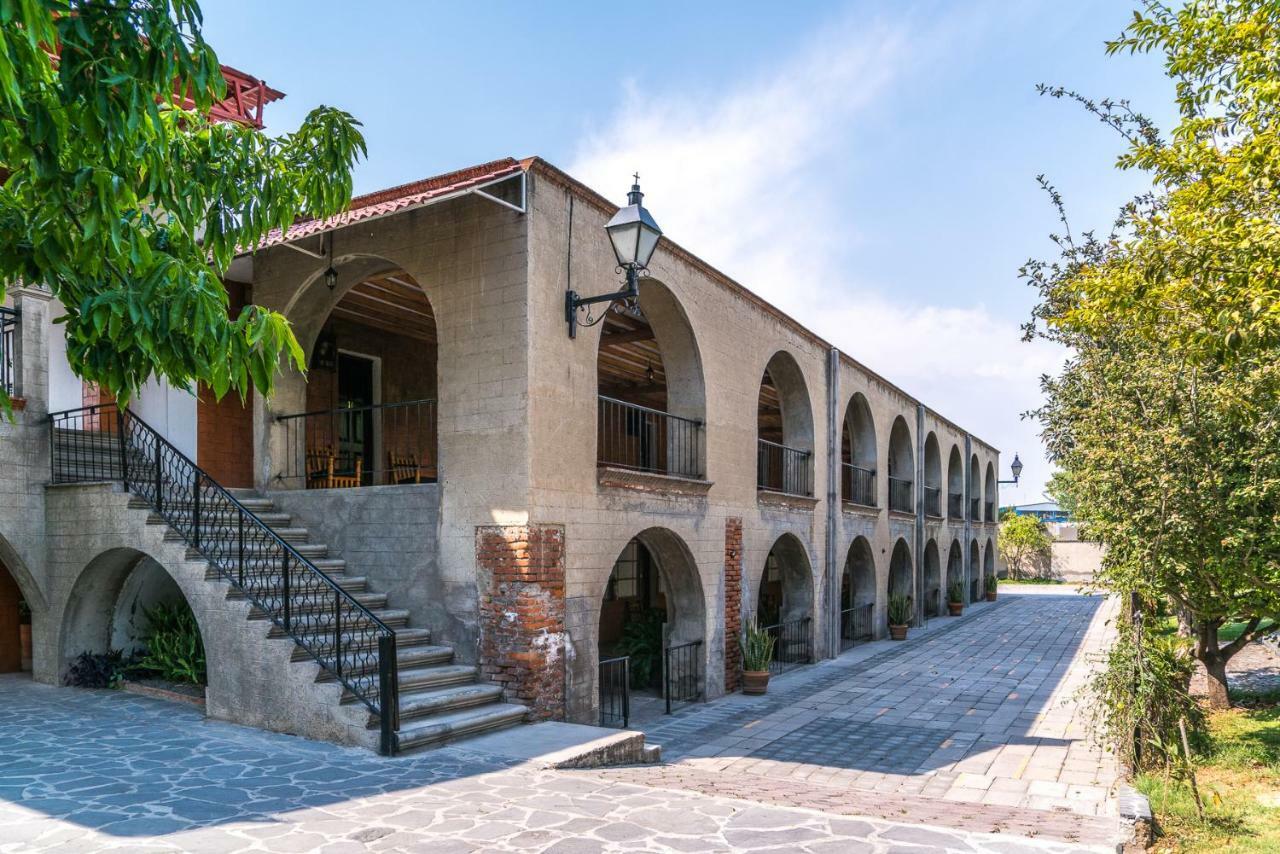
(1005, 581)
(1231, 631)
(1239, 777)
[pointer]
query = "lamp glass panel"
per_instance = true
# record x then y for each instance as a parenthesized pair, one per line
(648, 240)
(624, 238)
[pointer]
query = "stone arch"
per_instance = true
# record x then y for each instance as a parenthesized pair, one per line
(784, 428)
(648, 366)
(676, 572)
(902, 467)
(975, 490)
(785, 589)
(955, 484)
(933, 586)
(955, 567)
(989, 494)
(975, 571)
(988, 561)
(858, 452)
(21, 605)
(932, 476)
(858, 593)
(371, 340)
(104, 609)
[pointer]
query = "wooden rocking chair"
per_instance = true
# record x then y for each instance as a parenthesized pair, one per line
(406, 468)
(321, 474)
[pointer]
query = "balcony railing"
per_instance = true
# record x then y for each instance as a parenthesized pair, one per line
(955, 505)
(932, 501)
(858, 485)
(991, 511)
(783, 469)
(383, 444)
(636, 437)
(615, 692)
(974, 511)
(900, 495)
(8, 334)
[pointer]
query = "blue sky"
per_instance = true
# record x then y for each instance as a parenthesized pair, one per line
(867, 166)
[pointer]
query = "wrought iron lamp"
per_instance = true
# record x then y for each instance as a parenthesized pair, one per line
(634, 236)
(331, 275)
(1016, 468)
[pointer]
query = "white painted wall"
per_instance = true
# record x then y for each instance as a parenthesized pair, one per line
(64, 386)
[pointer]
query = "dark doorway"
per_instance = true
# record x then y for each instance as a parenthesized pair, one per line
(15, 626)
(355, 431)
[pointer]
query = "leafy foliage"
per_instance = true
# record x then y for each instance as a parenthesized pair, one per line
(1166, 417)
(899, 609)
(992, 584)
(174, 649)
(955, 592)
(757, 648)
(129, 203)
(1023, 543)
(96, 670)
(642, 640)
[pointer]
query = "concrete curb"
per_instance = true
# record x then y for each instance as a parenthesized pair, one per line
(1135, 814)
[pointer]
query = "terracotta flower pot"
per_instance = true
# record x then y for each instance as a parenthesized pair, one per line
(991, 596)
(24, 637)
(755, 681)
(955, 609)
(897, 632)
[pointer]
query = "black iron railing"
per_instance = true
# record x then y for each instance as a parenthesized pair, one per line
(9, 318)
(858, 485)
(383, 444)
(783, 469)
(682, 673)
(932, 501)
(932, 604)
(974, 510)
(990, 508)
(857, 624)
(615, 692)
(643, 439)
(792, 644)
(900, 497)
(955, 505)
(975, 589)
(342, 635)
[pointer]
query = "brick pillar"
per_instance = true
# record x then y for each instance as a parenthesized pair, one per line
(522, 632)
(732, 602)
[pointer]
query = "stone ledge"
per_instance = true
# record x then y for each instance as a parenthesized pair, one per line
(855, 509)
(786, 500)
(643, 481)
(902, 514)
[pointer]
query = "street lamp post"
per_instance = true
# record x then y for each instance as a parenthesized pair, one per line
(634, 236)
(1016, 468)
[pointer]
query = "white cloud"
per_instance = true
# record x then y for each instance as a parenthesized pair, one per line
(747, 178)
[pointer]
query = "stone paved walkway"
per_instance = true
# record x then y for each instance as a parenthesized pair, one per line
(976, 722)
(102, 770)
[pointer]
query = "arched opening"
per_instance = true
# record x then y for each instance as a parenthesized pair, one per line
(126, 613)
(989, 494)
(858, 453)
(955, 571)
(651, 627)
(15, 625)
(989, 561)
(975, 490)
(955, 485)
(900, 573)
(368, 412)
(784, 602)
(975, 572)
(933, 591)
(858, 594)
(932, 477)
(652, 403)
(784, 424)
(902, 468)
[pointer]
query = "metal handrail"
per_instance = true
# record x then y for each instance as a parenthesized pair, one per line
(641, 438)
(692, 421)
(386, 707)
(794, 474)
(366, 408)
(900, 494)
(858, 485)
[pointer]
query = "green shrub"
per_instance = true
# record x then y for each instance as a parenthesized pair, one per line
(955, 592)
(757, 648)
(174, 650)
(899, 610)
(95, 670)
(642, 641)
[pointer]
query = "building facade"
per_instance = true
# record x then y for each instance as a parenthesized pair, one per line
(516, 507)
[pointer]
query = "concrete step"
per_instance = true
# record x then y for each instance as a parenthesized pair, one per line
(309, 623)
(307, 550)
(409, 657)
(439, 729)
(293, 536)
(272, 519)
(375, 602)
(349, 583)
(405, 637)
(439, 701)
(332, 567)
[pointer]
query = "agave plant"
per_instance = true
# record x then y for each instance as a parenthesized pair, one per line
(899, 610)
(757, 648)
(992, 583)
(955, 592)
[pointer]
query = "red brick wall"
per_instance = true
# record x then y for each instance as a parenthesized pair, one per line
(224, 428)
(522, 634)
(732, 602)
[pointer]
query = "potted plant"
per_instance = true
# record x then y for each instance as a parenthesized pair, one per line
(757, 651)
(24, 634)
(991, 588)
(899, 616)
(955, 599)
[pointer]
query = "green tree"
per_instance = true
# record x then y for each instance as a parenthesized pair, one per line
(1166, 417)
(1023, 542)
(128, 202)
(1059, 489)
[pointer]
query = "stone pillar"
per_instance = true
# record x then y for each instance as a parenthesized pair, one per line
(732, 602)
(521, 575)
(31, 348)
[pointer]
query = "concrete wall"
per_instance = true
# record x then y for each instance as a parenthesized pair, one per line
(1075, 561)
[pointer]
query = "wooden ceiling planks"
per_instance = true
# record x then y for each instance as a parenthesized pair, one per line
(391, 303)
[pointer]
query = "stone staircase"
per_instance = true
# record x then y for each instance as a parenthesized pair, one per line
(440, 700)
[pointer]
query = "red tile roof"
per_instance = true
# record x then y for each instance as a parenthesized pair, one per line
(395, 199)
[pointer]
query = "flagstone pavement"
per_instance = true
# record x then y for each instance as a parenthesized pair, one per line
(850, 755)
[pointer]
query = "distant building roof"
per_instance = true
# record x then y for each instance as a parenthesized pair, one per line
(1041, 507)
